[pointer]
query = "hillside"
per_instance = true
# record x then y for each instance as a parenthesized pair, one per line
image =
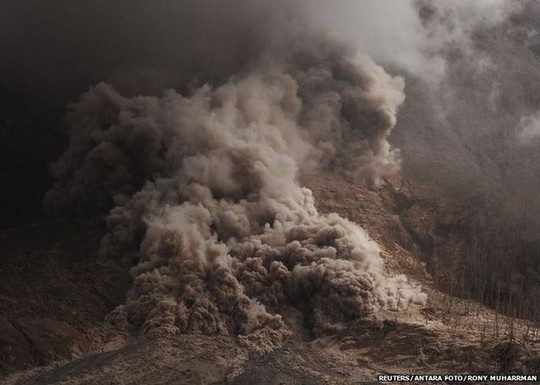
(77, 345)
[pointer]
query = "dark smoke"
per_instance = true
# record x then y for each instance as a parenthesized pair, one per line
(51, 52)
(61, 48)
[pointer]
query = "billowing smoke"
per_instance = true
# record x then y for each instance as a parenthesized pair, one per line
(415, 36)
(468, 123)
(53, 52)
(205, 199)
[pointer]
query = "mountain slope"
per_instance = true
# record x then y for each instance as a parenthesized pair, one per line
(446, 335)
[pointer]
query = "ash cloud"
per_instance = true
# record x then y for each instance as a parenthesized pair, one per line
(464, 133)
(471, 84)
(414, 35)
(202, 182)
(51, 52)
(458, 126)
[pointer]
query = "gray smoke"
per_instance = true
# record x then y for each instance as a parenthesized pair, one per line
(466, 133)
(57, 49)
(205, 198)
(414, 35)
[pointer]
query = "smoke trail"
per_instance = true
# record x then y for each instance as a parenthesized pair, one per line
(206, 199)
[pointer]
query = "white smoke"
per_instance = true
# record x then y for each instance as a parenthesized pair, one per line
(414, 35)
(207, 199)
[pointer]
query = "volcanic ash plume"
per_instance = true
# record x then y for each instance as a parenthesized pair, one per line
(207, 202)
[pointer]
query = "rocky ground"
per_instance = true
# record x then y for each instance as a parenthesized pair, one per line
(55, 296)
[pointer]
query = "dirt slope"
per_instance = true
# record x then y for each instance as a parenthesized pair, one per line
(56, 295)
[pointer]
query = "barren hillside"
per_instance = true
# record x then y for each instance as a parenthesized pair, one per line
(77, 345)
